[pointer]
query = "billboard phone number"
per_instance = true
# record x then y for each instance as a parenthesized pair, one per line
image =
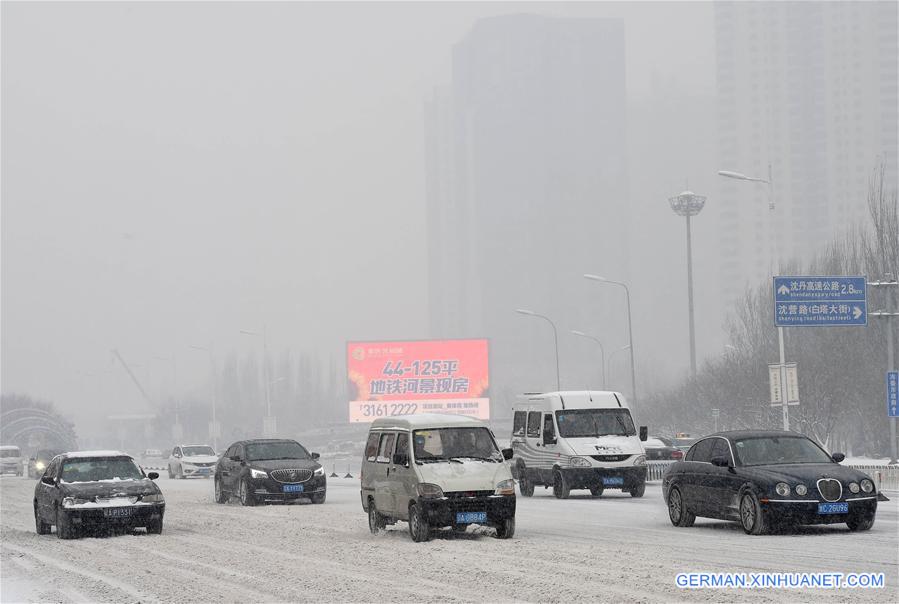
(387, 409)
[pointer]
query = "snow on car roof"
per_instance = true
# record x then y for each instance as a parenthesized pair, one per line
(109, 453)
(430, 420)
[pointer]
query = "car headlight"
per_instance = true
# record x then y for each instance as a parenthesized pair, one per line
(578, 462)
(640, 460)
(427, 490)
(40, 465)
(853, 487)
(254, 473)
(153, 498)
(68, 502)
(867, 486)
(782, 489)
(506, 487)
(319, 471)
(801, 489)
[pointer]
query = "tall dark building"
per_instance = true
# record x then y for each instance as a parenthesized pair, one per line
(527, 190)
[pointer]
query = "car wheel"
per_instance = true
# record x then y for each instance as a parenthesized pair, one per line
(597, 489)
(246, 497)
(220, 495)
(506, 530)
(860, 523)
(561, 489)
(180, 472)
(171, 475)
(376, 522)
(64, 529)
(638, 490)
(155, 527)
(525, 484)
(318, 497)
(40, 527)
(418, 524)
(677, 510)
(751, 516)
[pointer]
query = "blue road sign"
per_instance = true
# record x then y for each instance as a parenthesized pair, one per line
(820, 301)
(893, 393)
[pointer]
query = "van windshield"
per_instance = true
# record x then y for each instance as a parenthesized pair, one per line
(9, 453)
(579, 423)
(451, 444)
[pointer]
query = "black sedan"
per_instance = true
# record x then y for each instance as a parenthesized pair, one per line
(767, 478)
(265, 470)
(90, 490)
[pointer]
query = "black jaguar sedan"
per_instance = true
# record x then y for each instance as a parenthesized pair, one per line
(263, 470)
(89, 490)
(767, 478)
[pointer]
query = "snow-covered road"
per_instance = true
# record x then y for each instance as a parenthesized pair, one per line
(611, 549)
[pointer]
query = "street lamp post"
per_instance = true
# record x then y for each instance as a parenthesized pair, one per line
(602, 353)
(613, 353)
(177, 429)
(214, 428)
(531, 313)
(776, 259)
(630, 332)
(268, 424)
(688, 204)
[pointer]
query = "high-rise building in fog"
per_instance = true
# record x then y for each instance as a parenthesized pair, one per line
(811, 88)
(527, 190)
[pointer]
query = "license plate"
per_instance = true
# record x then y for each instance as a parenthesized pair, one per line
(611, 481)
(471, 517)
(293, 488)
(833, 508)
(203, 471)
(118, 512)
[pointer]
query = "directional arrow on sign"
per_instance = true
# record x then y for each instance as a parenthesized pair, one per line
(856, 312)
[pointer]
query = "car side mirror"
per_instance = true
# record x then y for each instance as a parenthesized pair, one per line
(234, 458)
(48, 480)
(838, 457)
(507, 454)
(315, 456)
(400, 459)
(721, 462)
(644, 433)
(153, 475)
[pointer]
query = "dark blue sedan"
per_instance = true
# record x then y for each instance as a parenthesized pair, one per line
(767, 478)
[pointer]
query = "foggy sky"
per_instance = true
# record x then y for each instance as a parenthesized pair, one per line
(174, 173)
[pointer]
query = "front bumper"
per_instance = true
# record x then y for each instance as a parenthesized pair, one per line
(442, 512)
(198, 471)
(269, 489)
(140, 515)
(806, 512)
(583, 478)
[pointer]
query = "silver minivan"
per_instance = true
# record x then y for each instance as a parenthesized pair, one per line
(436, 471)
(11, 460)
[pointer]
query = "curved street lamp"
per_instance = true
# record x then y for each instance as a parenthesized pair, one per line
(531, 313)
(630, 332)
(602, 353)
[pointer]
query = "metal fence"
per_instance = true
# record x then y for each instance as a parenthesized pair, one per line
(884, 477)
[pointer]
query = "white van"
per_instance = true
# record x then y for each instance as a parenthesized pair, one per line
(577, 440)
(434, 471)
(11, 460)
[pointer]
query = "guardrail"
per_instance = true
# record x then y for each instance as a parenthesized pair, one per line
(884, 477)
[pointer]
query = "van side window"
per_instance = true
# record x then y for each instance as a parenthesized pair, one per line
(534, 423)
(402, 444)
(518, 423)
(386, 448)
(371, 446)
(549, 430)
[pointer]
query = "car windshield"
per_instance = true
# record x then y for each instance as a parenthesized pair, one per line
(277, 450)
(92, 470)
(578, 423)
(768, 450)
(455, 443)
(9, 453)
(203, 450)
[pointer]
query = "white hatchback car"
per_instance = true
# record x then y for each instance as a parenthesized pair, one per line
(192, 460)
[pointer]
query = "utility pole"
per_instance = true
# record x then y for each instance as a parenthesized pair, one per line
(890, 317)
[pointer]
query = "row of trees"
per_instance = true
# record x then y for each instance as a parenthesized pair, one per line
(841, 369)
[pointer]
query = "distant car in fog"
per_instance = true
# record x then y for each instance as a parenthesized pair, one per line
(38, 462)
(88, 490)
(192, 460)
(264, 470)
(659, 448)
(10, 460)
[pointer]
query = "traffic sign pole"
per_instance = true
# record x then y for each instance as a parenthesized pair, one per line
(783, 379)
